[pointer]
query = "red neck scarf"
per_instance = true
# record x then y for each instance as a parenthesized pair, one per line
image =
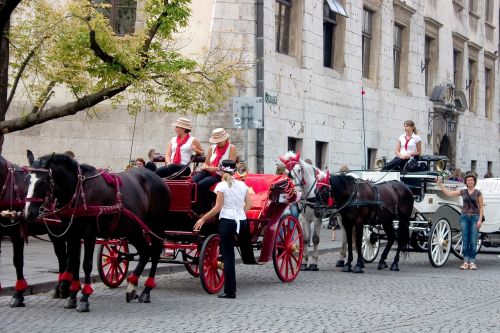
(180, 142)
(219, 152)
(407, 140)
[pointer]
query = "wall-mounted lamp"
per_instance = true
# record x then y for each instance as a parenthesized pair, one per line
(468, 84)
(423, 65)
(451, 126)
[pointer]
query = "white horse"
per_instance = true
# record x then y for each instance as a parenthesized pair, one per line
(304, 176)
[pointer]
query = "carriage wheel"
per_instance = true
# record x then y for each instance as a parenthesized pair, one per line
(111, 267)
(440, 239)
(457, 244)
(212, 273)
(288, 248)
(420, 240)
(192, 256)
(370, 244)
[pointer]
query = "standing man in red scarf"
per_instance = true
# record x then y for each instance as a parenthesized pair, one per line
(179, 150)
(221, 150)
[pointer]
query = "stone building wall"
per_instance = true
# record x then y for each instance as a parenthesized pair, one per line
(314, 103)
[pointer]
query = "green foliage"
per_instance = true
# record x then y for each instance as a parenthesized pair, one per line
(58, 35)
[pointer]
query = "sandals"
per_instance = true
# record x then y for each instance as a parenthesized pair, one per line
(472, 266)
(464, 266)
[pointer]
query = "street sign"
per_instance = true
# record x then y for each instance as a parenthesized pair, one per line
(247, 112)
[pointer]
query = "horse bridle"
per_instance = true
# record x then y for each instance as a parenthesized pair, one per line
(345, 204)
(10, 187)
(290, 166)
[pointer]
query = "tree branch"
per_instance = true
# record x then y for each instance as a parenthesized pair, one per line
(55, 112)
(44, 98)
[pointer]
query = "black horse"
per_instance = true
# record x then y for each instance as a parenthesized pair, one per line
(14, 182)
(133, 204)
(361, 202)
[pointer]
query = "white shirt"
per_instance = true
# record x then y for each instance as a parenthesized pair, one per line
(411, 148)
(234, 201)
(186, 149)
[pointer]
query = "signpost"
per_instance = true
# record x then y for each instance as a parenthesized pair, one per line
(247, 113)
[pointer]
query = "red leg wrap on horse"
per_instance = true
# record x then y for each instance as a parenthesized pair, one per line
(67, 276)
(21, 285)
(150, 282)
(134, 279)
(87, 289)
(75, 286)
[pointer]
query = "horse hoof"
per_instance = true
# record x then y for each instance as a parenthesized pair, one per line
(346, 269)
(340, 263)
(395, 267)
(130, 296)
(303, 267)
(83, 306)
(57, 293)
(17, 302)
(313, 267)
(145, 298)
(382, 265)
(357, 269)
(70, 303)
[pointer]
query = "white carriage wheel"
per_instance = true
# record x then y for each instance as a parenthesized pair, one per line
(457, 245)
(440, 239)
(370, 244)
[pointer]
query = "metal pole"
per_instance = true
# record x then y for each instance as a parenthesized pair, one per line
(246, 118)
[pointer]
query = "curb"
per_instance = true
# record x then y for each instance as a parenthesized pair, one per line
(42, 287)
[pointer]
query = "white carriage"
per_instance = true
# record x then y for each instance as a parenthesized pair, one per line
(435, 226)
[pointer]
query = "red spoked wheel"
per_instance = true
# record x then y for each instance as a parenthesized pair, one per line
(212, 270)
(111, 265)
(192, 257)
(288, 248)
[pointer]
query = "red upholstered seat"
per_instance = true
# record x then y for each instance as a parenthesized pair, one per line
(259, 184)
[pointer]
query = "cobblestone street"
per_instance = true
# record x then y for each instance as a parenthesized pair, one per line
(419, 298)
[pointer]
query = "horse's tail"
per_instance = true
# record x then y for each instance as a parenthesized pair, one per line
(405, 211)
(404, 236)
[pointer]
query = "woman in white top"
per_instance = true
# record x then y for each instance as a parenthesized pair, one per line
(409, 146)
(232, 203)
(179, 150)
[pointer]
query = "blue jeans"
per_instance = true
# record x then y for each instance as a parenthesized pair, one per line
(468, 223)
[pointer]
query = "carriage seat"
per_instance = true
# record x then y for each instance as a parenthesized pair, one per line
(433, 158)
(259, 185)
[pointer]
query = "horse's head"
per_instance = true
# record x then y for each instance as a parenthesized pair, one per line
(52, 177)
(14, 183)
(324, 199)
(302, 174)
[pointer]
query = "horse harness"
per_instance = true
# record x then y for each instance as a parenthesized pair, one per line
(10, 198)
(356, 202)
(74, 209)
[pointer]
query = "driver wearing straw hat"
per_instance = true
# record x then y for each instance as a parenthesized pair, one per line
(180, 149)
(221, 150)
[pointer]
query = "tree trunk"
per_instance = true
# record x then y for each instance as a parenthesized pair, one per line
(4, 77)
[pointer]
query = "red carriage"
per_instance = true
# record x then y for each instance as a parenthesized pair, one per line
(276, 235)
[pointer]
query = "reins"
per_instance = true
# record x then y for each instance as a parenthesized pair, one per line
(11, 190)
(78, 207)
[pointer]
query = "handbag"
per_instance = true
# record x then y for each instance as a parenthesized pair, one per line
(474, 203)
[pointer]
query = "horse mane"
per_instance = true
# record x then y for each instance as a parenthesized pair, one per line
(341, 180)
(66, 160)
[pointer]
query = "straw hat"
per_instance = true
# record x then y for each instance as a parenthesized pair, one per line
(218, 135)
(182, 123)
